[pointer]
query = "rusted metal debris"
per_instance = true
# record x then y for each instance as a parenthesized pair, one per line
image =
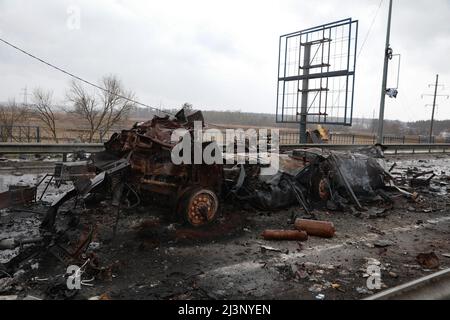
(136, 166)
(305, 228)
(17, 196)
(323, 229)
(318, 136)
(285, 235)
(137, 163)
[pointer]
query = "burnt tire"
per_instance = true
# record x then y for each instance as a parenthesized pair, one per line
(198, 207)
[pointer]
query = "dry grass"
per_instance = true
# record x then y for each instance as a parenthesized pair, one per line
(71, 129)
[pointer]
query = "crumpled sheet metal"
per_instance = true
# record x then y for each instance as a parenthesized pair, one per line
(364, 170)
(314, 174)
(157, 131)
(364, 174)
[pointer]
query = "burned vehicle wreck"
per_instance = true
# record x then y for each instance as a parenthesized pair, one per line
(338, 181)
(135, 184)
(137, 164)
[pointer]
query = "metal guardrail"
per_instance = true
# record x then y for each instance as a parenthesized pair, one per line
(40, 148)
(391, 148)
(48, 148)
(289, 137)
(433, 287)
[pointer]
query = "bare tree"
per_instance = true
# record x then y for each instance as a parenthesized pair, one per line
(84, 104)
(116, 104)
(11, 115)
(44, 110)
(110, 107)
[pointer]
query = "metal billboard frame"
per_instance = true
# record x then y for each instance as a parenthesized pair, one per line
(303, 76)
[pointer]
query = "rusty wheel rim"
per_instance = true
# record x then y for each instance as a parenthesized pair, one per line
(202, 207)
(324, 193)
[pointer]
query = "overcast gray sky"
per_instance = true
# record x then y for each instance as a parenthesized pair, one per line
(217, 55)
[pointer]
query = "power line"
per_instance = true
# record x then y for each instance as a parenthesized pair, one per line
(93, 84)
(365, 38)
(81, 79)
(370, 28)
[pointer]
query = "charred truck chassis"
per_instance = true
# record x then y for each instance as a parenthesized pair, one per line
(137, 163)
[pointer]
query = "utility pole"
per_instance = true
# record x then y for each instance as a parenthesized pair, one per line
(373, 122)
(434, 107)
(305, 92)
(25, 95)
(387, 57)
(435, 95)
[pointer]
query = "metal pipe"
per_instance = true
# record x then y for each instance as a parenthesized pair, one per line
(284, 235)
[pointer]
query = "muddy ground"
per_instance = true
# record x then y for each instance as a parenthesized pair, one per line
(151, 257)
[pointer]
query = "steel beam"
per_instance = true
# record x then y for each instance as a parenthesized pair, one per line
(318, 76)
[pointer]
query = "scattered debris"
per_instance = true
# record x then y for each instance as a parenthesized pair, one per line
(103, 297)
(316, 288)
(377, 213)
(9, 244)
(428, 260)
(417, 182)
(270, 249)
(383, 243)
(336, 286)
(16, 196)
(135, 172)
(362, 290)
(393, 275)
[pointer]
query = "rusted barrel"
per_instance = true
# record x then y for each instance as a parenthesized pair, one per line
(323, 229)
(284, 235)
